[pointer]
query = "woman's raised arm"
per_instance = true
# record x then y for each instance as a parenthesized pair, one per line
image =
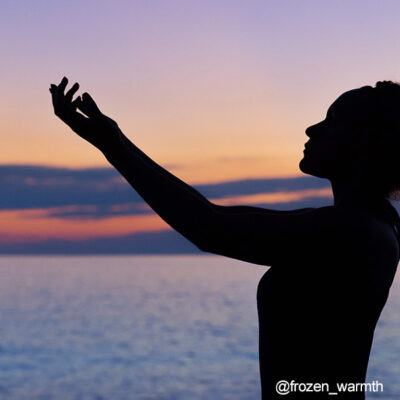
(251, 234)
(177, 203)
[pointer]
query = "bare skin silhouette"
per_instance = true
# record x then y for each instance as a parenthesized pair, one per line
(331, 267)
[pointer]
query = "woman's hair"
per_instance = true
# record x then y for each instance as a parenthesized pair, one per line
(384, 169)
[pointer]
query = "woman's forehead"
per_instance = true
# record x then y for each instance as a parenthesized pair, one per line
(351, 101)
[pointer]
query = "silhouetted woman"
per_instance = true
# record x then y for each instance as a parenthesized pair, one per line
(332, 267)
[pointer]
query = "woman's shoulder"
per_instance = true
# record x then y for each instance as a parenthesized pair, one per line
(332, 218)
(354, 225)
(367, 232)
(353, 218)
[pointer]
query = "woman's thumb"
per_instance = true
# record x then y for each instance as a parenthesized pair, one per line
(88, 106)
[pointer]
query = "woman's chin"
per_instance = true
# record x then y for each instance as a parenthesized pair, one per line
(307, 167)
(303, 165)
(312, 169)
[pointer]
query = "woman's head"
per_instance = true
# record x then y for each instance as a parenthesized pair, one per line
(359, 140)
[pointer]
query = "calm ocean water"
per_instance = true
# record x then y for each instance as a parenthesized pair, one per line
(145, 327)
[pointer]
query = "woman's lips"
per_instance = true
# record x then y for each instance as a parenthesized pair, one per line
(307, 146)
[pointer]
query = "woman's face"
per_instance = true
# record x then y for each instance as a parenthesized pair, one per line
(334, 142)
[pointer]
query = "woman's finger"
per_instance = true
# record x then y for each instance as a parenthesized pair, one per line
(54, 95)
(76, 102)
(53, 90)
(63, 84)
(62, 109)
(90, 106)
(70, 94)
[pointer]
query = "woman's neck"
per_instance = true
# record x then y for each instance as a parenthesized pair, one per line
(348, 194)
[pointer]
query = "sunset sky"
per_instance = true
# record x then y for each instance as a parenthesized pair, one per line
(213, 90)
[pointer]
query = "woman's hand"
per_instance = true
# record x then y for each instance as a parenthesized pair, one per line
(93, 126)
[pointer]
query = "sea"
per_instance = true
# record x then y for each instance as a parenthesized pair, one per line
(146, 328)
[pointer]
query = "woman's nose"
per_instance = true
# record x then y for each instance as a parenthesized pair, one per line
(310, 131)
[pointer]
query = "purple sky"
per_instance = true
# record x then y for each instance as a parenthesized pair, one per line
(227, 86)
